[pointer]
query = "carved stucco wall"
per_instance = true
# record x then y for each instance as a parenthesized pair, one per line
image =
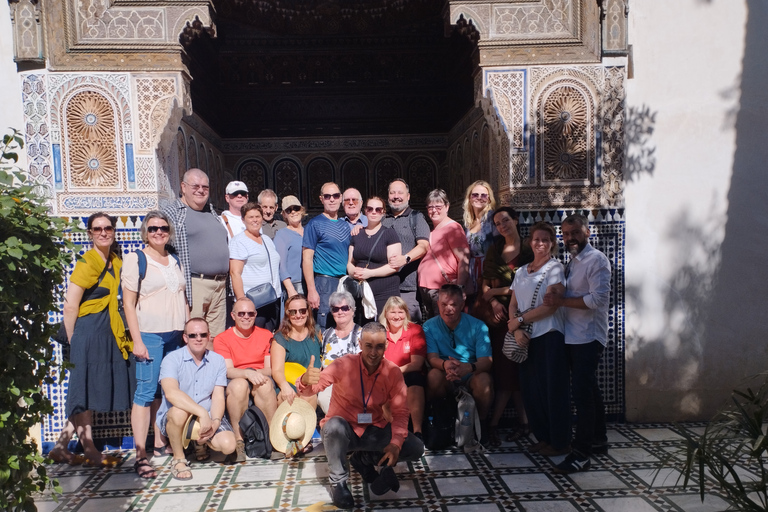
(564, 129)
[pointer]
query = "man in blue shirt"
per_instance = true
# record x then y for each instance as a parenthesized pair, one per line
(193, 381)
(325, 252)
(459, 351)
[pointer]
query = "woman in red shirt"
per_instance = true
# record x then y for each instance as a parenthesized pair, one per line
(407, 348)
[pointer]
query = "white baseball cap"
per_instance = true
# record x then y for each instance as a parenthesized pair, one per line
(236, 186)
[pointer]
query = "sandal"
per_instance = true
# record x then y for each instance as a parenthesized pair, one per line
(184, 469)
(163, 451)
(144, 469)
(201, 452)
(73, 459)
(520, 432)
(493, 437)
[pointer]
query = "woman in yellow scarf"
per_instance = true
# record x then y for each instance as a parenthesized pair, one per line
(101, 377)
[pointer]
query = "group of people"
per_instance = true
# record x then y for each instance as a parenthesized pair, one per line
(417, 312)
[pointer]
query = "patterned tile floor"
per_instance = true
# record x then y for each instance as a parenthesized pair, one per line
(507, 478)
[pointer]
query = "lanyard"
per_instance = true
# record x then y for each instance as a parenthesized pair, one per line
(362, 387)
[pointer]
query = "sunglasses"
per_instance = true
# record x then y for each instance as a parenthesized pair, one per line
(249, 314)
(336, 309)
(475, 195)
(194, 336)
(105, 229)
(154, 229)
(371, 209)
(352, 200)
(239, 193)
(328, 197)
(204, 188)
(292, 209)
(295, 312)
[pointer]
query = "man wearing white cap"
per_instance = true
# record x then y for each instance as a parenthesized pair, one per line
(236, 196)
(362, 384)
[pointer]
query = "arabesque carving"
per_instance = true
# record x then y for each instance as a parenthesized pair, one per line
(91, 133)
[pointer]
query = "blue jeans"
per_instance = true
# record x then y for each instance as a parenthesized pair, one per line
(339, 438)
(544, 382)
(148, 371)
(590, 412)
(325, 286)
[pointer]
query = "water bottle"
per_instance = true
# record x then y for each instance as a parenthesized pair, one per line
(464, 430)
(466, 421)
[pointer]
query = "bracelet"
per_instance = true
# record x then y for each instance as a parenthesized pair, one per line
(443, 360)
(216, 419)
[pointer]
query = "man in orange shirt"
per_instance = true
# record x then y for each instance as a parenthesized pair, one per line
(245, 349)
(362, 384)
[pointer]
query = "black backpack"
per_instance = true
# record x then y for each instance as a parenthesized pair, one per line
(255, 430)
(440, 423)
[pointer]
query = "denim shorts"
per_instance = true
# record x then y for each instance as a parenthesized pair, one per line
(148, 371)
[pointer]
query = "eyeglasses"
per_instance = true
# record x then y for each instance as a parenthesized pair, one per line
(249, 314)
(328, 197)
(437, 208)
(292, 209)
(476, 195)
(164, 229)
(352, 200)
(239, 193)
(336, 309)
(99, 229)
(295, 312)
(371, 209)
(194, 335)
(204, 188)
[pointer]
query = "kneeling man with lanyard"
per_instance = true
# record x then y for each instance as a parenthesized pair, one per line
(362, 384)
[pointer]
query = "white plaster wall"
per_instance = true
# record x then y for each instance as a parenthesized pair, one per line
(10, 101)
(697, 220)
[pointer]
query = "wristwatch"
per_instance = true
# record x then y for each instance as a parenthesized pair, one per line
(520, 320)
(407, 259)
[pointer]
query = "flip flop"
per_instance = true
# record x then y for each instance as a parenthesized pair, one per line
(185, 468)
(74, 459)
(144, 469)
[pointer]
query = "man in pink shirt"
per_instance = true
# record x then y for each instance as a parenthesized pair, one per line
(245, 349)
(362, 384)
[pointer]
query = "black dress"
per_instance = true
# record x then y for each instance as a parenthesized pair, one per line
(382, 287)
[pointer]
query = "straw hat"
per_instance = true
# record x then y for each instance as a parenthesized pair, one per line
(191, 430)
(292, 427)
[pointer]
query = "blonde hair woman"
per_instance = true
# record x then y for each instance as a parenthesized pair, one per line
(407, 348)
(479, 205)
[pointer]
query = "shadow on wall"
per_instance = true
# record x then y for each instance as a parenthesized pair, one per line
(640, 153)
(714, 308)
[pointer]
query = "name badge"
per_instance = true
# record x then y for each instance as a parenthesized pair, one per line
(364, 418)
(407, 347)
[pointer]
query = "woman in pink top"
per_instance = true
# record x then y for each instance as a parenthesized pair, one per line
(447, 260)
(407, 348)
(155, 311)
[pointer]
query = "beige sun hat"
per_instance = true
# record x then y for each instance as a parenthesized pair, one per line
(292, 427)
(191, 430)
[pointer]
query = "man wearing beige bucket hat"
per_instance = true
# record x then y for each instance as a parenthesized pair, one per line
(362, 384)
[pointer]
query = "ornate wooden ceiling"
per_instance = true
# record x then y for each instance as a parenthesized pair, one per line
(342, 67)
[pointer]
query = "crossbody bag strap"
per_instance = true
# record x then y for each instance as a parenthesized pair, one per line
(375, 243)
(543, 276)
(226, 221)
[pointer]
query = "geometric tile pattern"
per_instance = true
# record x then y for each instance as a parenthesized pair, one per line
(506, 478)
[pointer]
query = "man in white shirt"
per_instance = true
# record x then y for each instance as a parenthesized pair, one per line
(236, 196)
(585, 307)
